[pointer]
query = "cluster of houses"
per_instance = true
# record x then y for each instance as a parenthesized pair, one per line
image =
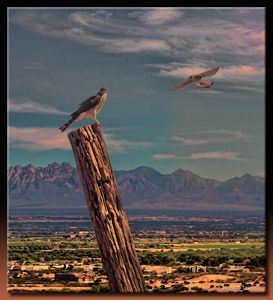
(58, 272)
(82, 273)
(80, 234)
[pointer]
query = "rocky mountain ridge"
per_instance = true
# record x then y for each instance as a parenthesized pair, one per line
(58, 185)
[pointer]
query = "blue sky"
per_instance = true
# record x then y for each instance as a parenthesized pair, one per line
(59, 57)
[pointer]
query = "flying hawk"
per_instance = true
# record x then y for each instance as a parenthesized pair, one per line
(197, 79)
(90, 107)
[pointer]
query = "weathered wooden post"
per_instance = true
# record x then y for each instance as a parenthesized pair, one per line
(106, 210)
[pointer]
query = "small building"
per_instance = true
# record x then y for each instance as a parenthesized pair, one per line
(25, 274)
(35, 267)
(85, 278)
(57, 266)
(48, 276)
(84, 233)
(197, 269)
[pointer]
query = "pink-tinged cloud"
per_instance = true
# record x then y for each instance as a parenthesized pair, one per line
(39, 139)
(180, 71)
(109, 33)
(261, 48)
(256, 42)
(261, 36)
(160, 16)
(242, 72)
(164, 156)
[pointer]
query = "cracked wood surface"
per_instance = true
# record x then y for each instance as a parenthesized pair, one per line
(106, 210)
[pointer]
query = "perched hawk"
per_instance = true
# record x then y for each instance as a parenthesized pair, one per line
(88, 108)
(197, 79)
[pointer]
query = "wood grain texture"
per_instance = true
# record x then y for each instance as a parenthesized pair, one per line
(106, 210)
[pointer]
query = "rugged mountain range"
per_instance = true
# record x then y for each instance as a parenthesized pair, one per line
(58, 186)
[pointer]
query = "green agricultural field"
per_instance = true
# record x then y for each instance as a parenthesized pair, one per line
(226, 246)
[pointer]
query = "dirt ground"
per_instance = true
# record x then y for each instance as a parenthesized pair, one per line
(217, 287)
(48, 288)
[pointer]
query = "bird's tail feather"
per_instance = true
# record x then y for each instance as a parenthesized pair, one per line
(64, 127)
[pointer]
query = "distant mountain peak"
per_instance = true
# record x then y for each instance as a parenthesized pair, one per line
(30, 166)
(144, 168)
(183, 172)
(58, 185)
(66, 164)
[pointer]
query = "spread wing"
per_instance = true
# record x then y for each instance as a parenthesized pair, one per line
(87, 104)
(182, 84)
(209, 72)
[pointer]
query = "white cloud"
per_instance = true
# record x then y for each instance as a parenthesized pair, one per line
(201, 38)
(226, 135)
(164, 156)
(190, 142)
(216, 35)
(211, 155)
(28, 106)
(212, 136)
(117, 145)
(216, 155)
(205, 92)
(34, 66)
(135, 45)
(39, 139)
(179, 72)
(93, 29)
